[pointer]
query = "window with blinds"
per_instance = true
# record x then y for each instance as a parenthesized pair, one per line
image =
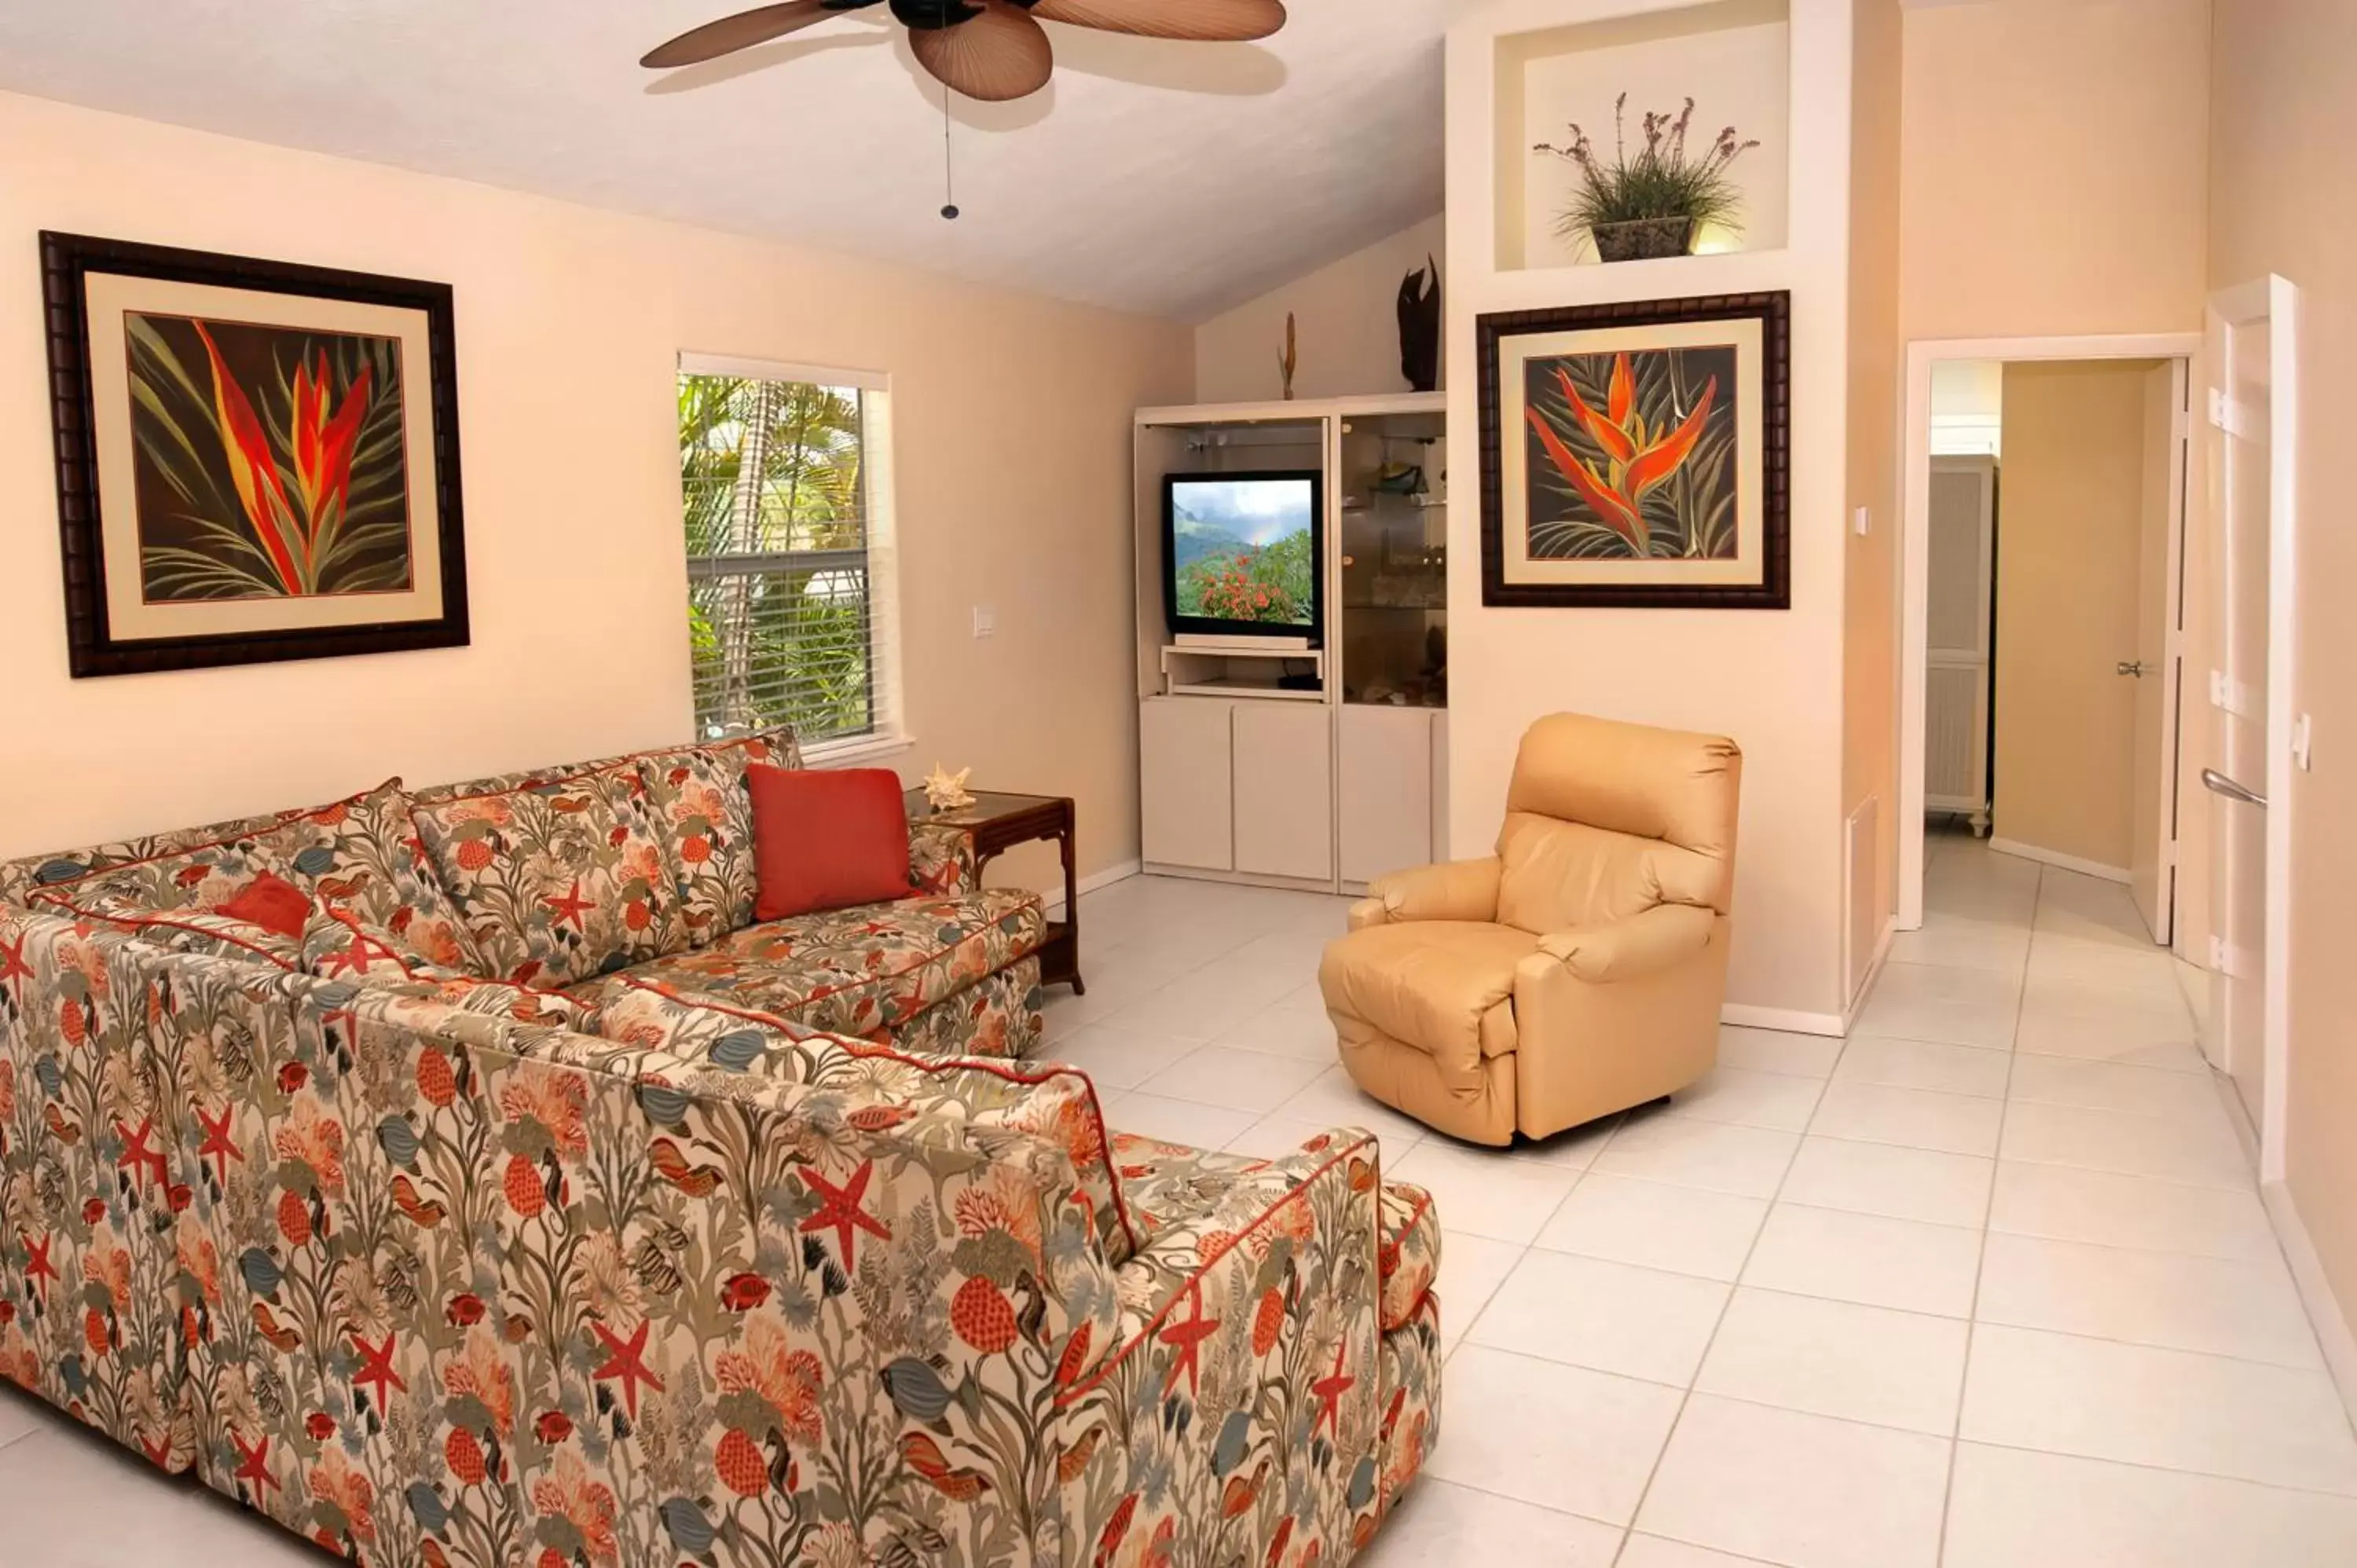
(784, 480)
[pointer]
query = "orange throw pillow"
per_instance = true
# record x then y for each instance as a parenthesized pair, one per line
(273, 903)
(826, 839)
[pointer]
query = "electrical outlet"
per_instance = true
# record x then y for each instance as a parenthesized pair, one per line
(986, 620)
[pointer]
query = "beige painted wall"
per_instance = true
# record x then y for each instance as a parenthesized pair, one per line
(2284, 118)
(1870, 576)
(2055, 183)
(1346, 322)
(1772, 680)
(2070, 530)
(1013, 417)
(2055, 167)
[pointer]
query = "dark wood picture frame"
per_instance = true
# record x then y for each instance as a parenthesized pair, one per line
(67, 261)
(1773, 591)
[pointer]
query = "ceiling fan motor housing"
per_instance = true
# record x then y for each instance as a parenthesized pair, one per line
(931, 15)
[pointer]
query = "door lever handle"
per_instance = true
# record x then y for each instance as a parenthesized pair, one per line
(2218, 783)
(2130, 667)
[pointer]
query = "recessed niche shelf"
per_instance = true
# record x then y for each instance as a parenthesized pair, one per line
(1732, 57)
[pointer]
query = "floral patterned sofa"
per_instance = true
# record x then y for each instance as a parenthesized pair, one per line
(439, 1267)
(573, 885)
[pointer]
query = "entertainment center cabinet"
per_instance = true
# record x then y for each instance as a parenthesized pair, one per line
(1318, 767)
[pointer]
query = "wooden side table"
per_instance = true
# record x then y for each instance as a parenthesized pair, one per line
(998, 821)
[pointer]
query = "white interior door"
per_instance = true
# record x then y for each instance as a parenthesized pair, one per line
(2248, 781)
(2157, 665)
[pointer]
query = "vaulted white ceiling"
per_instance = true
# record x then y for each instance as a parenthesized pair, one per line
(1172, 178)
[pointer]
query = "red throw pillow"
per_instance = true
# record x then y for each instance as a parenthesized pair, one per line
(273, 903)
(826, 838)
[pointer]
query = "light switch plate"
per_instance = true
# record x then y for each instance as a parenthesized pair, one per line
(986, 620)
(1862, 520)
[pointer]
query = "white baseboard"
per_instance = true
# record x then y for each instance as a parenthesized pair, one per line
(1872, 973)
(2315, 1291)
(2021, 851)
(1788, 1020)
(1119, 871)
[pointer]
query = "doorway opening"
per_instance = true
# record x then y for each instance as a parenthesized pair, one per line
(2043, 609)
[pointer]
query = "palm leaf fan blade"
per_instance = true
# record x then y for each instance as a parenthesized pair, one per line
(742, 31)
(997, 55)
(1207, 21)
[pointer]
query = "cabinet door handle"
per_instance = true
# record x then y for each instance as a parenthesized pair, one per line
(2130, 667)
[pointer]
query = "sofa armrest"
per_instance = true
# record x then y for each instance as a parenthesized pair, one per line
(1248, 1338)
(1452, 891)
(1643, 944)
(941, 859)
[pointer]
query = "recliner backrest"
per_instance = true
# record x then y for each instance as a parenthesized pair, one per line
(1606, 819)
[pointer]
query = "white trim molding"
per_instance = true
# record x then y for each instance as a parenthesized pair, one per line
(1872, 973)
(2332, 1332)
(856, 750)
(1788, 1020)
(1119, 871)
(2084, 867)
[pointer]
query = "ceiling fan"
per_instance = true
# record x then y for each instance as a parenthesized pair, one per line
(989, 49)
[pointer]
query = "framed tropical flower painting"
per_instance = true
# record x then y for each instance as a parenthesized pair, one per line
(256, 461)
(1638, 453)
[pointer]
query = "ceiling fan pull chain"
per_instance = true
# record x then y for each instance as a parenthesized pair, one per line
(949, 176)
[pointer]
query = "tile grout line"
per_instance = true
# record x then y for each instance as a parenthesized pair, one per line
(1686, 1397)
(2149, 1467)
(1524, 1248)
(1980, 1263)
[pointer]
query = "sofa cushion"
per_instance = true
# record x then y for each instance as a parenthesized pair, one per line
(498, 998)
(559, 882)
(23, 875)
(697, 798)
(360, 857)
(861, 970)
(826, 839)
(997, 1015)
(176, 900)
(522, 778)
(1057, 1104)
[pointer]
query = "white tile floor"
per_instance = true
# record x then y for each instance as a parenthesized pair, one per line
(1985, 1286)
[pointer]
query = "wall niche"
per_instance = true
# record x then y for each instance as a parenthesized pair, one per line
(1732, 57)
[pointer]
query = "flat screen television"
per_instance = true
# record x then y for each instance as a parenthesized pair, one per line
(1241, 554)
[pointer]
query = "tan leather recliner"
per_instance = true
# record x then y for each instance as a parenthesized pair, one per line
(1575, 972)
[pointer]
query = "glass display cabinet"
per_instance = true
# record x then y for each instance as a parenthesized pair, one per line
(1394, 566)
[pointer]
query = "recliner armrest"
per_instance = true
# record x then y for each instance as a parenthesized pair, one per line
(1452, 891)
(1643, 944)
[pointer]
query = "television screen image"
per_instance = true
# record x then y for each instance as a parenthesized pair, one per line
(1243, 553)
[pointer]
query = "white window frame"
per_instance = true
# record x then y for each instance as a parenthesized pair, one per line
(891, 735)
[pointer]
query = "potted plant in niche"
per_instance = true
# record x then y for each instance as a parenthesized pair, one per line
(1656, 201)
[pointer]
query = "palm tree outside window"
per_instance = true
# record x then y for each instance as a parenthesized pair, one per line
(784, 482)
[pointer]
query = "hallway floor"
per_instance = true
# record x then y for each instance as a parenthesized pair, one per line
(1988, 1285)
